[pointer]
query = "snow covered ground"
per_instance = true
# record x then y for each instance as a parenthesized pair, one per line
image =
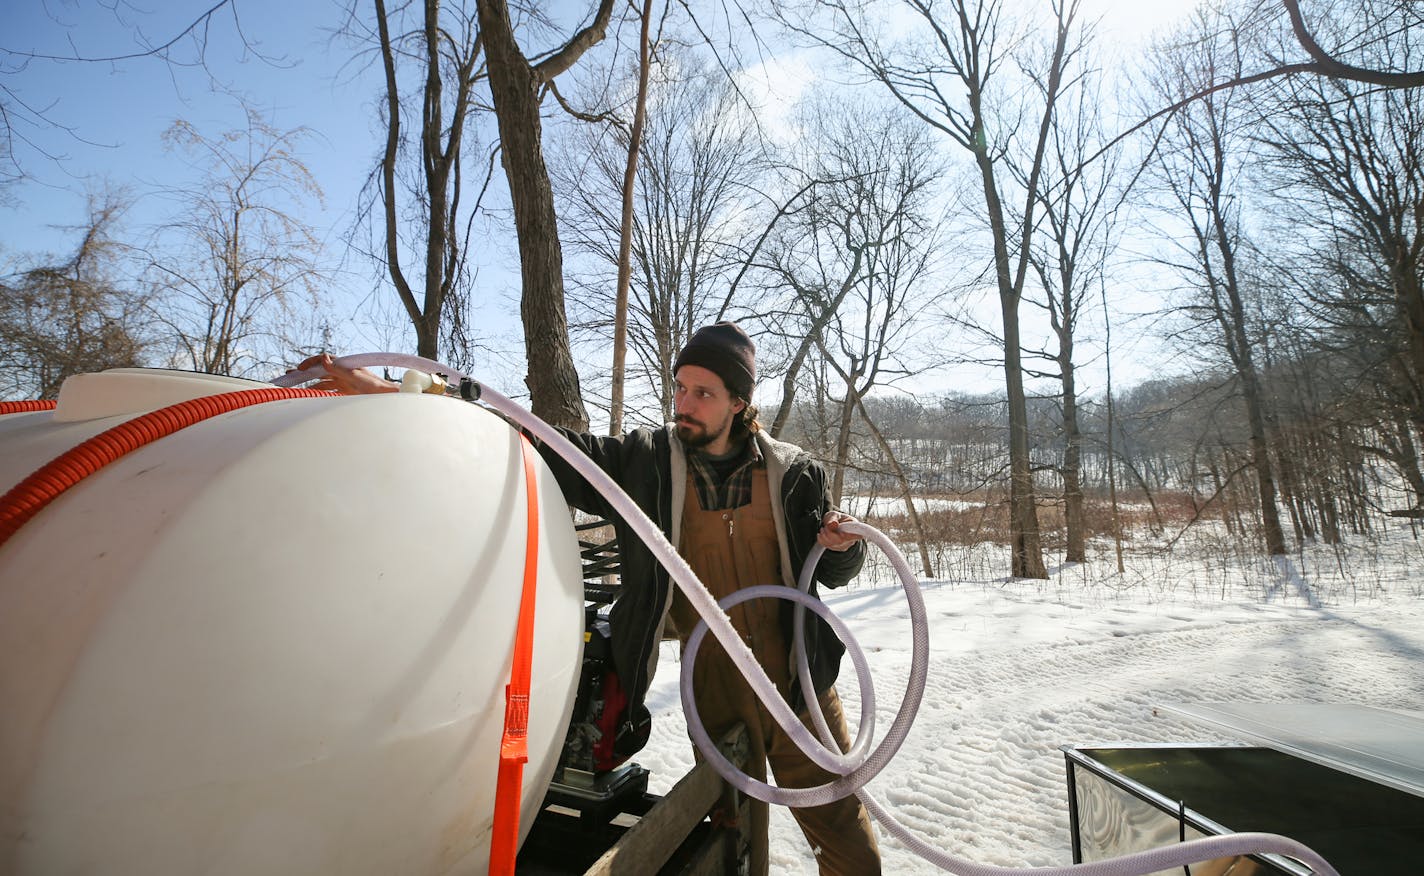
(862, 507)
(1019, 668)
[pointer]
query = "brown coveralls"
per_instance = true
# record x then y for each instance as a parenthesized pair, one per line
(729, 550)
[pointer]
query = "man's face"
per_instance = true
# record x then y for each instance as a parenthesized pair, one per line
(704, 409)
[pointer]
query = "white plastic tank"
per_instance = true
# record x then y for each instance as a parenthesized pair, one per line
(276, 641)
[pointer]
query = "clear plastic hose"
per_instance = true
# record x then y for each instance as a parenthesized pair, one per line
(856, 767)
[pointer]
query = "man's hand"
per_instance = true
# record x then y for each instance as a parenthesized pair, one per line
(347, 381)
(830, 536)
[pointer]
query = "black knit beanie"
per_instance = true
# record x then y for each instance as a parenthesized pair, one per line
(725, 350)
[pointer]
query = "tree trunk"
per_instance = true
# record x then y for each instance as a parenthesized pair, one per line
(1077, 551)
(843, 442)
(1409, 301)
(1265, 481)
(625, 233)
(1232, 320)
(1255, 413)
(1112, 424)
(553, 382)
(1408, 457)
(438, 160)
(1026, 549)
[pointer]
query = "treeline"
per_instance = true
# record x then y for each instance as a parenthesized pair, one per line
(1179, 456)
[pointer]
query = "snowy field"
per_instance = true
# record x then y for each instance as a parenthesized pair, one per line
(1019, 668)
(864, 507)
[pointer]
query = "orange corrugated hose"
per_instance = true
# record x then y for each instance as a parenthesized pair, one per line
(25, 407)
(29, 496)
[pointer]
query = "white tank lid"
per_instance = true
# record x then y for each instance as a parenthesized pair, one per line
(131, 391)
(1379, 744)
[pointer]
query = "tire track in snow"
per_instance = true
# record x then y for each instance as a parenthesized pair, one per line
(1100, 689)
(981, 774)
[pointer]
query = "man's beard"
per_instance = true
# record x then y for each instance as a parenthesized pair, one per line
(697, 440)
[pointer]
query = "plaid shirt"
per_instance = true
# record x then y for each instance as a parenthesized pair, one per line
(734, 491)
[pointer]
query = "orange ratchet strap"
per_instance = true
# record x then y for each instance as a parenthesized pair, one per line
(514, 748)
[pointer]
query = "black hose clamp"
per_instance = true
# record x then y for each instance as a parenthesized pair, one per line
(469, 389)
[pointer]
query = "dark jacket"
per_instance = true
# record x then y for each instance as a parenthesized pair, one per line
(651, 467)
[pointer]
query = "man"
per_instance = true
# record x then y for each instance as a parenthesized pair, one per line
(742, 509)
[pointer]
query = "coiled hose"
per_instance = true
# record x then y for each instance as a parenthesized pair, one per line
(858, 766)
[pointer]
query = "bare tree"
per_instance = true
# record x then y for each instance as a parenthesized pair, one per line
(432, 61)
(950, 75)
(853, 268)
(1356, 151)
(694, 202)
(74, 315)
(854, 252)
(1199, 169)
(237, 268)
(1079, 202)
(1110, 412)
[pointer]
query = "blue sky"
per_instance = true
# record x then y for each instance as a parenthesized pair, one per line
(118, 110)
(293, 68)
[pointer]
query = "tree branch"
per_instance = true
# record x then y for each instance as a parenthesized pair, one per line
(1328, 65)
(159, 51)
(564, 58)
(593, 118)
